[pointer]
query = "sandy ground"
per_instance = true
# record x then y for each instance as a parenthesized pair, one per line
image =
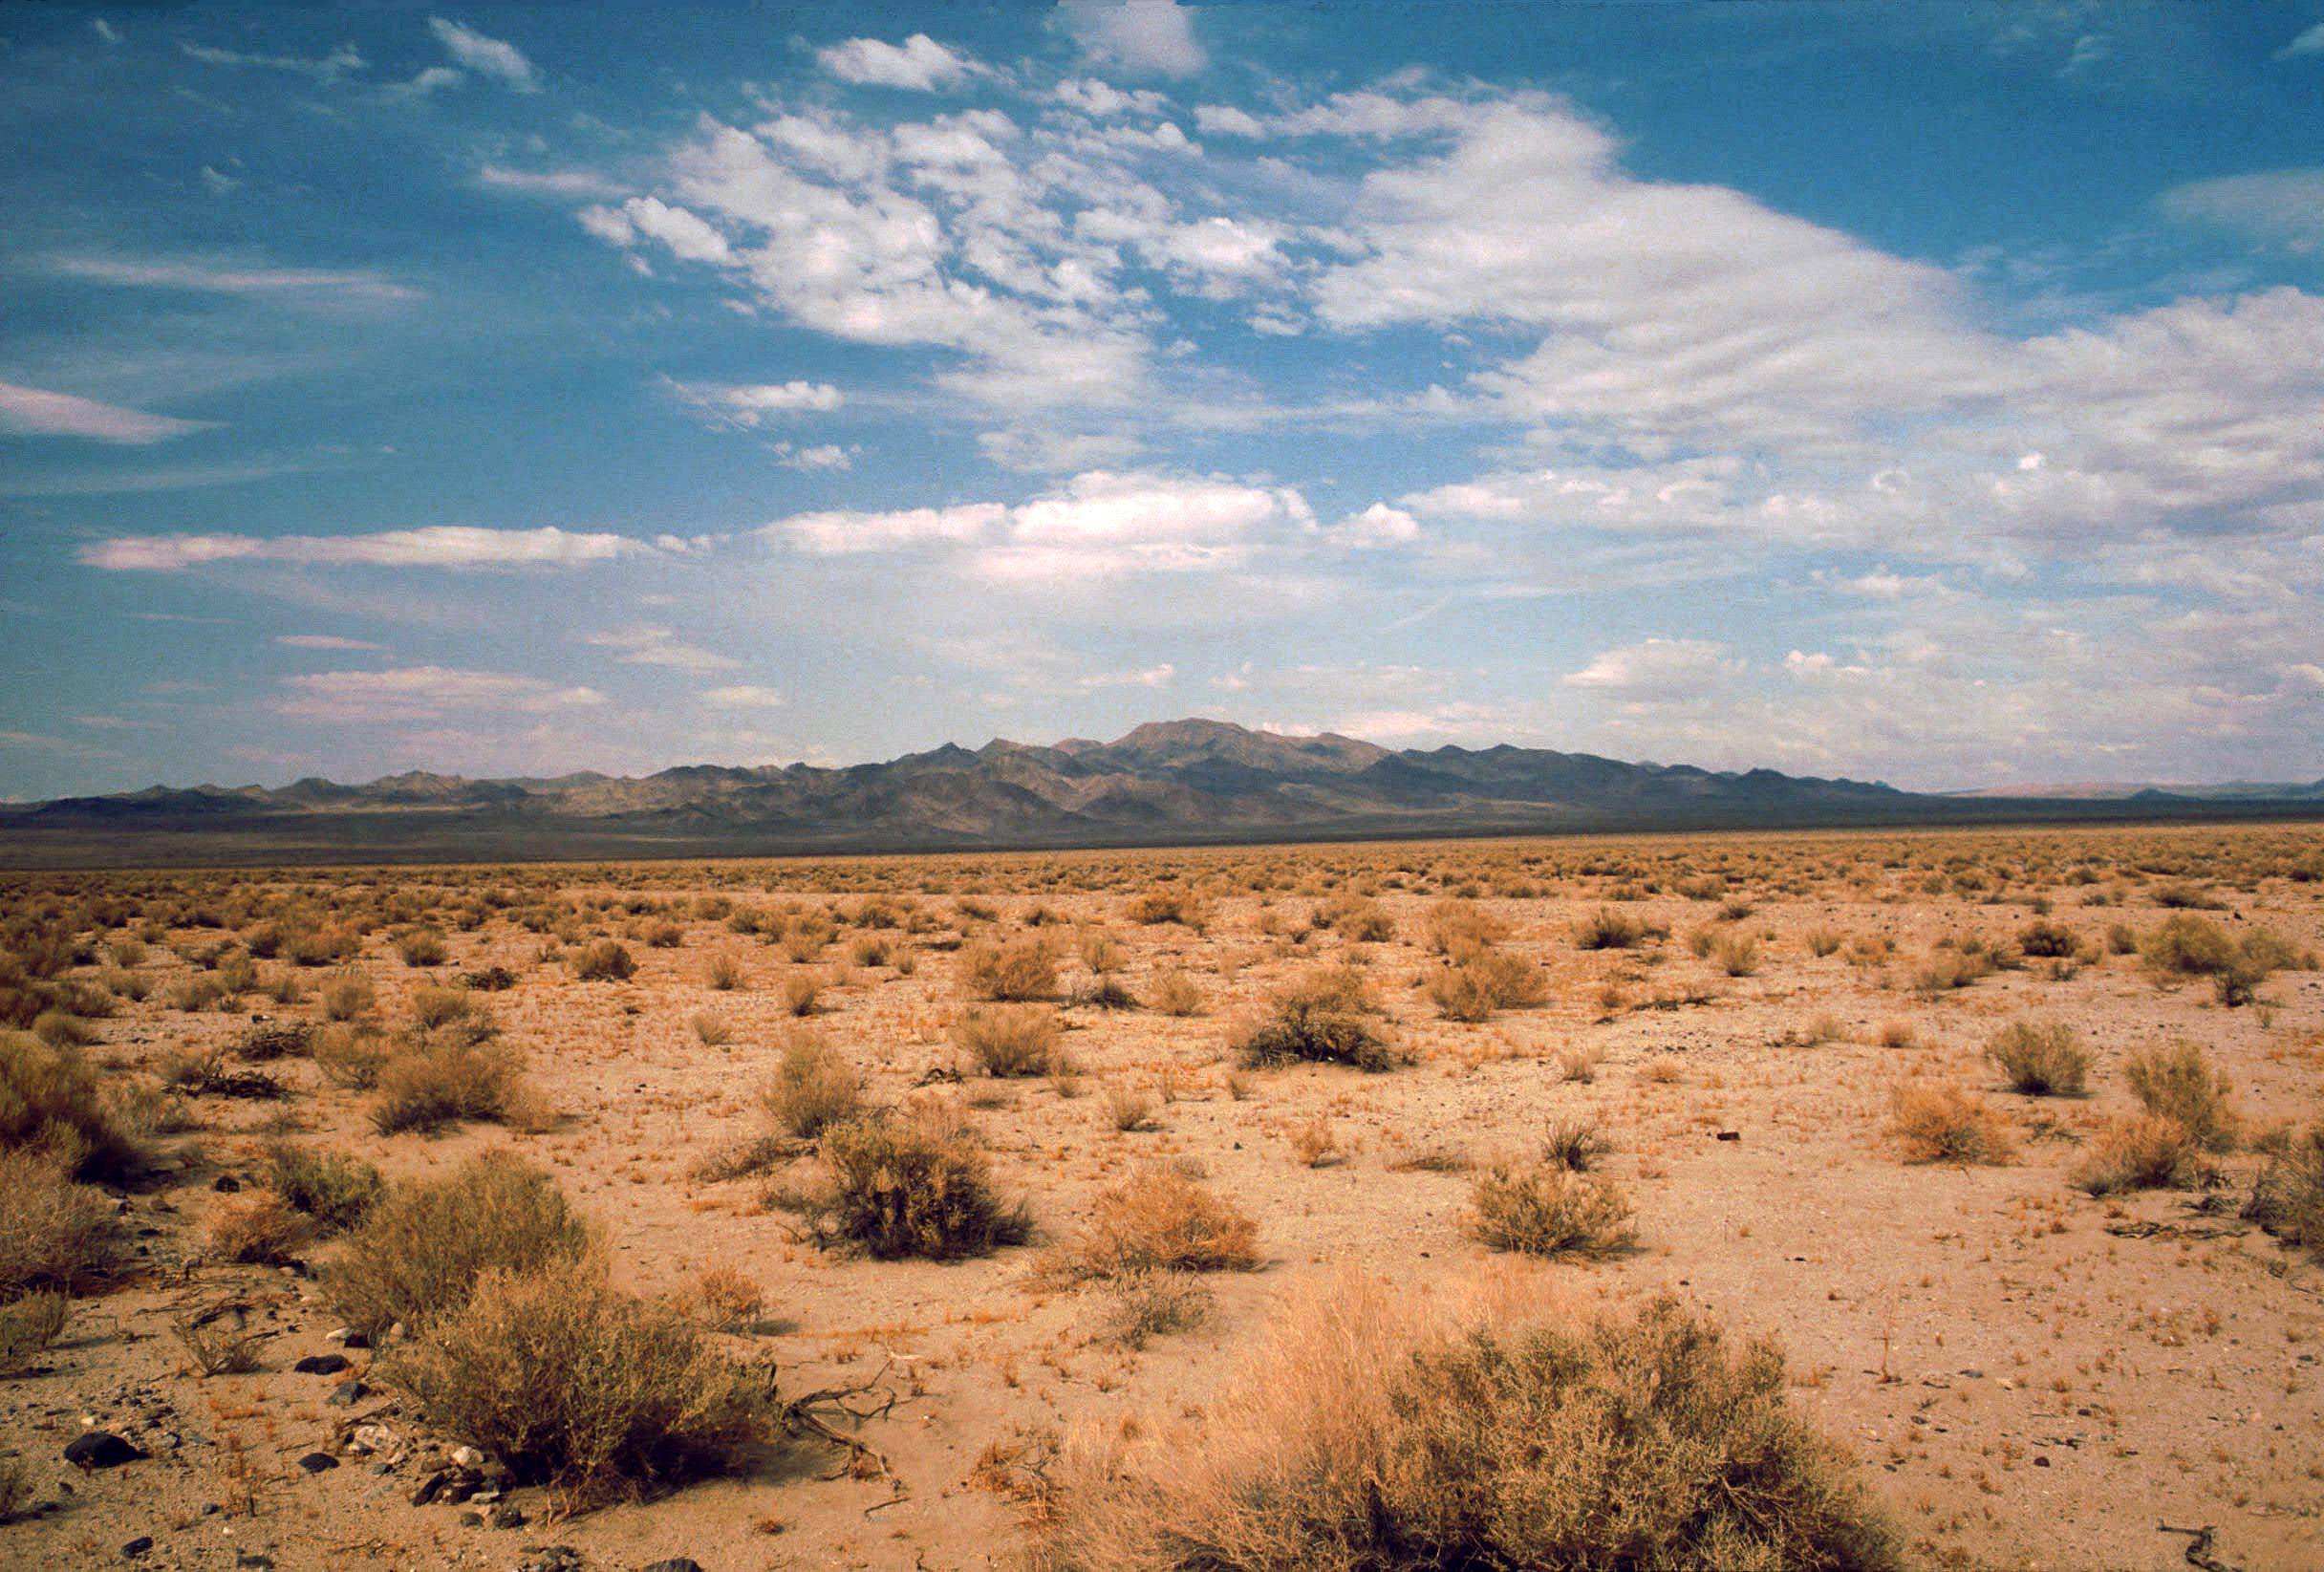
(2029, 1377)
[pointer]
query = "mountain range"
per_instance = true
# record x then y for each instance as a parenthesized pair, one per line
(1164, 782)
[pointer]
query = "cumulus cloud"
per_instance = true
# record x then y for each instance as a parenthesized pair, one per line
(1156, 36)
(548, 183)
(36, 412)
(919, 63)
(485, 57)
(419, 693)
(437, 545)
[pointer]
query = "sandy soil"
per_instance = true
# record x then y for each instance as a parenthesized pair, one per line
(2029, 1377)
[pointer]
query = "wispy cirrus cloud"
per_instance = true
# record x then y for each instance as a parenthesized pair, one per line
(207, 277)
(436, 545)
(342, 62)
(646, 645)
(420, 693)
(39, 412)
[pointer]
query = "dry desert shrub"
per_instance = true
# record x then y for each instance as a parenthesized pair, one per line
(418, 1255)
(27, 1328)
(725, 973)
(603, 960)
(1128, 1110)
(1009, 1039)
(2187, 945)
(1489, 979)
(432, 1083)
(800, 992)
(2041, 1059)
(722, 1299)
(1326, 1017)
(1023, 969)
(1459, 929)
(1169, 904)
(1160, 1220)
(51, 1102)
(1737, 955)
(2147, 1151)
(422, 947)
(570, 1382)
(348, 995)
(2287, 1197)
(1575, 1144)
(1606, 929)
(257, 1228)
(1355, 919)
(54, 1233)
(1939, 1122)
(336, 1189)
(1175, 993)
(814, 1087)
(1544, 1208)
(1369, 1435)
(2177, 1082)
(911, 1182)
(350, 1056)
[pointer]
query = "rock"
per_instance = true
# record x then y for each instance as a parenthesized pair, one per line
(347, 1337)
(137, 1547)
(1730, 1136)
(252, 1559)
(432, 1487)
(347, 1394)
(100, 1449)
(321, 1365)
(556, 1558)
(369, 1438)
(472, 1519)
(676, 1564)
(315, 1462)
(466, 1456)
(508, 1514)
(226, 1184)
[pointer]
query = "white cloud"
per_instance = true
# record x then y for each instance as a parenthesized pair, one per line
(823, 456)
(2308, 42)
(1656, 668)
(437, 545)
(743, 696)
(217, 182)
(328, 68)
(419, 693)
(2279, 207)
(1102, 100)
(104, 30)
(363, 283)
(1226, 120)
(1377, 525)
(485, 57)
(1138, 36)
(752, 405)
(846, 532)
(919, 63)
(36, 412)
(548, 183)
(646, 645)
(1160, 675)
(323, 641)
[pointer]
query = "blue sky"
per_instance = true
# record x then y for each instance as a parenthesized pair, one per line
(1933, 394)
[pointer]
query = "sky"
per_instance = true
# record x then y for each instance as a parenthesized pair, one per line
(1932, 394)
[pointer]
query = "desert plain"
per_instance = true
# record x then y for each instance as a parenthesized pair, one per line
(1777, 1062)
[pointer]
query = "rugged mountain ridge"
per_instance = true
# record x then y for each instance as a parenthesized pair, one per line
(1172, 780)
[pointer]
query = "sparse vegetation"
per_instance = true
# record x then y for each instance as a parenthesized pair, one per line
(1939, 1122)
(912, 1182)
(1546, 1208)
(2041, 1059)
(1328, 1016)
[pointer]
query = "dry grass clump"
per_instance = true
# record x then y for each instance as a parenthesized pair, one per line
(2177, 1082)
(418, 1255)
(1489, 980)
(1157, 906)
(2147, 1151)
(51, 1102)
(347, 995)
(2287, 1197)
(1737, 955)
(1546, 1208)
(1326, 1017)
(2041, 1059)
(1371, 1434)
(1009, 1040)
(1145, 1305)
(350, 1056)
(1575, 1144)
(1023, 969)
(1160, 1220)
(571, 1381)
(911, 1182)
(725, 973)
(422, 947)
(603, 960)
(1355, 919)
(800, 992)
(1942, 1123)
(54, 1234)
(814, 1087)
